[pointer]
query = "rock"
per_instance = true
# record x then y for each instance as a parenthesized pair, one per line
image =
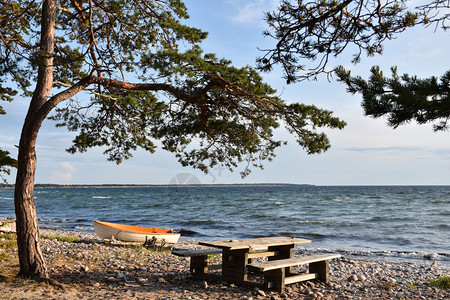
(161, 280)
(260, 293)
(353, 278)
(204, 285)
(318, 295)
(141, 280)
(84, 268)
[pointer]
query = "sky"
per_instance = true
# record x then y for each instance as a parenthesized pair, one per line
(365, 152)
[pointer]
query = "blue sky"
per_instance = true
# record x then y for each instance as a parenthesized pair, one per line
(366, 152)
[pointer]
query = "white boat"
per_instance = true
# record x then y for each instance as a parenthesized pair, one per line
(130, 233)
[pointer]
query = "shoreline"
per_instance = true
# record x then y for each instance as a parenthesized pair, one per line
(421, 258)
(91, 269)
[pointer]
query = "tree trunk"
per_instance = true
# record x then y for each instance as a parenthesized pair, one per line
(31, 260)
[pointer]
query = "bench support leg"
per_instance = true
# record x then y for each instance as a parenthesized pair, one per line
(199, 265)
(321, 268)
(234, 265)
(275, 279)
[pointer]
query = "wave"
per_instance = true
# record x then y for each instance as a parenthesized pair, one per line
(418, 257)
(84, 228)
(101, 197)
(310, 222)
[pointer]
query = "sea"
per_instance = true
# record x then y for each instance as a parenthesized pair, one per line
(392, 223)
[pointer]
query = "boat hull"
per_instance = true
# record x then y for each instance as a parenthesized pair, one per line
(129, 233)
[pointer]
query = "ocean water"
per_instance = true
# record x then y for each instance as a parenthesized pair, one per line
(389, 221)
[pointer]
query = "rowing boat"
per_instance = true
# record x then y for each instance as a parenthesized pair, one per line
(130, 233)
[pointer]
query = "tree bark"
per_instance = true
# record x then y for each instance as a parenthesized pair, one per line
(31, 260)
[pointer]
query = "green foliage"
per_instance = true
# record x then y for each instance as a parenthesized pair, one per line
(315, 31)
(67, 239)
(402, 98)
(5, 163)
(139, 75)
(442, 282)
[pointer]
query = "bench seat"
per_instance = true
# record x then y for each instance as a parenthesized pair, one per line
(199, 260)
(196, 252)
(277, 272)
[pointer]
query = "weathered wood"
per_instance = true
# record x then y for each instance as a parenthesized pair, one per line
(255, 244)
(300, 277)
(290, 262)
(275, 279)
(262, 254)
(277, 273)
(197, 252)
(199, 265)
(283, 252)
(199, 260)
(321, 268)
(234, 265)
(214, 267)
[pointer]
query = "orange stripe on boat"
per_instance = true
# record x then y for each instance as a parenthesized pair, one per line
(131, 228)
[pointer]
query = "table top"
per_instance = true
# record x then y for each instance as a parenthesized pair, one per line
(256, 243)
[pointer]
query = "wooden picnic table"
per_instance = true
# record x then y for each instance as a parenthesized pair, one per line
(237, 254)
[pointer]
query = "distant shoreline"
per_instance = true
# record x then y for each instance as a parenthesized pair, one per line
(10, 186)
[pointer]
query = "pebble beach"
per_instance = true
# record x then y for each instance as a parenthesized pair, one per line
(88, 268)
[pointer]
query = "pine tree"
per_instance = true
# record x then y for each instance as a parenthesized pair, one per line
(124, 74)
(309, 34)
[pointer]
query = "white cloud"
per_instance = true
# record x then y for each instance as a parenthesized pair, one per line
(63, 173)
(250, 11)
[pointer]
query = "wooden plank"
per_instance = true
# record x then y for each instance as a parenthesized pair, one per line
(275, 279)
(197, 252)
(300, 277)
(214, 267)
(262, 254)
(234, 265)
(198, 265)
(321, 268)
(289, 262)
(255, 244)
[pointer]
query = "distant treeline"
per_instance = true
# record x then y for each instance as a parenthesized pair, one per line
(51, 185)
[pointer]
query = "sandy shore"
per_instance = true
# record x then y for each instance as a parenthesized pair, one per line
(91, 269)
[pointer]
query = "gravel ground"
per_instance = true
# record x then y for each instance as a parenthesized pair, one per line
(92, 269)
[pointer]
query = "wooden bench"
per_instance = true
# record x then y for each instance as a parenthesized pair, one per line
(277, 272)
(199, 260)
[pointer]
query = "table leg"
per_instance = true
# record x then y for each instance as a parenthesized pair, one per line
(199, 265)
(234, 265)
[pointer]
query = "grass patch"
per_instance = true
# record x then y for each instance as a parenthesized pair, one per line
(68, 239)
(8, 240)
(413, 285)
(441, 282)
